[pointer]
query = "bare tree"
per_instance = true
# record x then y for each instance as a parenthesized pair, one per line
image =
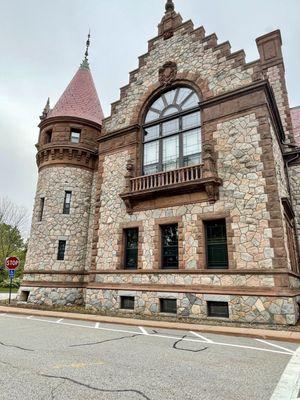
(13, 220)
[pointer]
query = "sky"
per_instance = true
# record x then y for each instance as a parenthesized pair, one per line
(43, 42)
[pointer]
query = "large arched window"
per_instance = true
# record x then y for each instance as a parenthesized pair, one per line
(172, 131)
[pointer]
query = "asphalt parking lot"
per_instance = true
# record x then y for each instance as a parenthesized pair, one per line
(48, 358)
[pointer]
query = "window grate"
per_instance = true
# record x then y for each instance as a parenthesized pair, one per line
(217, 309)
(168, 306)
(127, 303)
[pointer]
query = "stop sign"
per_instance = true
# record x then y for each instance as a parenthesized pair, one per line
(12, 263)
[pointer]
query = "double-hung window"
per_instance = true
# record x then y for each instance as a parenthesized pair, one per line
(172, 132)
(216, 244)
(131, 237)
(169, 240)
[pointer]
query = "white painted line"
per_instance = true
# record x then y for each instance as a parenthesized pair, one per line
(59, 321)
(144, 332)
(97, 325)
(157, 336)
(30, 316)
(289, 384)
(201, 337)
(275, 345)
(2, 315)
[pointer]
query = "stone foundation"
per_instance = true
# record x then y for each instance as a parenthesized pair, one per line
(53, 296)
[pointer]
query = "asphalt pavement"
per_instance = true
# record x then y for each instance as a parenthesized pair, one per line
(48, 358)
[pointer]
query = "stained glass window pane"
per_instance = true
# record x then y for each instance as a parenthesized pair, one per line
(170, 127)
(191, 120)
(170, 153)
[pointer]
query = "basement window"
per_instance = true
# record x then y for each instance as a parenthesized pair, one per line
(168, 306)
(127, 303)
(217, 309)
(24, 295)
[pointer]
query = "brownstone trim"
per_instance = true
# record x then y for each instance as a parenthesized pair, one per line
(229, 290)
(158, 243)
(121, 244)
(53, 120)
(201, 218)
(53, 272)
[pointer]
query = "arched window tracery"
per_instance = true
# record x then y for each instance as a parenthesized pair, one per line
(172, 131)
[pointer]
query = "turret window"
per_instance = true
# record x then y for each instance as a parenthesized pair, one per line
(75, 135)
(41, 210)
(61, 250)
(48, 136)
(67, 202)
(172, 132)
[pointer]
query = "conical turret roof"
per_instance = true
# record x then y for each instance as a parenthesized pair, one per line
(80, 99)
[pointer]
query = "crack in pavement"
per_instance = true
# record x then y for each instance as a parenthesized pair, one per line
(65, 378)
(16, 347)
(180, 340)
(103, 341)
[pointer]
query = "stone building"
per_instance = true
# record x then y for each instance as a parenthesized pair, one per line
(185, 201)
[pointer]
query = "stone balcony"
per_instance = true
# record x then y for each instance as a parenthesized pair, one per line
(194, 178)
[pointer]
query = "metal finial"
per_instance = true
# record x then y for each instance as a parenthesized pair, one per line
(85, 62)
(170, 6)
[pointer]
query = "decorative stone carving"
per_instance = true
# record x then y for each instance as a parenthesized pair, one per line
(167, 73)
(209, 165)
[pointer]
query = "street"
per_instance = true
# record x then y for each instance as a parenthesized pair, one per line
(48, 358)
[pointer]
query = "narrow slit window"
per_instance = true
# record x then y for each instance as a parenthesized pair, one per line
(131, 248)
(127, 303)
(67, 202)
(217, 309)
(216, 244)
(75, 135)
(168, 306)
(42, 206)
(61, 250)
(169, 239)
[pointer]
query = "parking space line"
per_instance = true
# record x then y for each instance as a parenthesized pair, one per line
(158, 335)
(59, 321)
(275, 345)
(201, 337)
(144, 331)
(288, 386)
(2, 315)
(97, 325)
(30, 316)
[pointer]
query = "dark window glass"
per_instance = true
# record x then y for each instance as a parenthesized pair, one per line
(42, 205)
(172, 134)
(169, 237)
(131, 248)
(216, 244)
(75, 135)
(168, 306)
(217, 309)
(127, 303)
(48, 136)
(61, 249)
(67, 202)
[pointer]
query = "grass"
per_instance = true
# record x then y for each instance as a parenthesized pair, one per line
(6, 290)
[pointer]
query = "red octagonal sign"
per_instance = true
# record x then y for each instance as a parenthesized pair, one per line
(12, 262)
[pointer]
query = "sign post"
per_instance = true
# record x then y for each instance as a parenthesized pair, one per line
(11, 263)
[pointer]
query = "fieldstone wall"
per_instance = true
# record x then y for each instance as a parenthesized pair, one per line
(194, 306)
(55, 226)
(54, 296)
(294, 174)
(192, 55)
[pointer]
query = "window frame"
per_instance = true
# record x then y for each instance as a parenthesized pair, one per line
(67, 206)
(210, 266)
(78, 131)
(61, 253)
(163, 302)
(161, 228)
(180, 133)
(123, 299)
(125, 241)
(210, 304)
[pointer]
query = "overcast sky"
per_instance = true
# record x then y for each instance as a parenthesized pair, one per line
(42, 44)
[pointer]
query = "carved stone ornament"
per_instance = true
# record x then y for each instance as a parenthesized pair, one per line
(167, 73)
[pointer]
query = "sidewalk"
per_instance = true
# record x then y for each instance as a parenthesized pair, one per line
(286, 336)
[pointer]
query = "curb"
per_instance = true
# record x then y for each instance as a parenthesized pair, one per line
(286, 336)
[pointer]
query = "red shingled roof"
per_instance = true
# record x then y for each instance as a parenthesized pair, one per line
(80, 99)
